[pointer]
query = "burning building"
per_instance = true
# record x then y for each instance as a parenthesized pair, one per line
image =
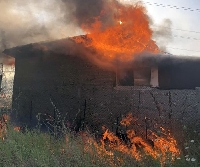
(95, 79)
(63, 79)
(114, 72)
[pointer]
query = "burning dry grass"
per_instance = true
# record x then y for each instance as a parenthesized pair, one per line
(160, 148)
(39, 149)
(33, 148)
(3, 125)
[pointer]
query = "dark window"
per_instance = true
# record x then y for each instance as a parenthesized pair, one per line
(125, 77)
(142, 76)
(134, 77)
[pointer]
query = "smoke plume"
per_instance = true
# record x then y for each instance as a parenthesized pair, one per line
(163, 34)
(27, 21)
(83, 11)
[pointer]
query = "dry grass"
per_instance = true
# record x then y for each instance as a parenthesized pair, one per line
(32, 148)
(37, 149)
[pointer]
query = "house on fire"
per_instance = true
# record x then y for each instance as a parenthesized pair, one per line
(59, 79)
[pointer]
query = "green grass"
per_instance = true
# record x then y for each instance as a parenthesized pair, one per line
(36, 149)
(42, 150)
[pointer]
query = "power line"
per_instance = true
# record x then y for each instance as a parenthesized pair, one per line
(183, 37)
(172, 6)
(177, 29)
(167, 53)
(183, 49)
(177, 36)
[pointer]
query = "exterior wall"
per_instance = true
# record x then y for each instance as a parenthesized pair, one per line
(179, 75)
(72, 87)
(46, 81)
(50, 83)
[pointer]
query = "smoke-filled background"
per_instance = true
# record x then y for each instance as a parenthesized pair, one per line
(27, 21)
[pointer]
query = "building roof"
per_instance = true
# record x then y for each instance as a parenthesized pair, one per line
(68, 46)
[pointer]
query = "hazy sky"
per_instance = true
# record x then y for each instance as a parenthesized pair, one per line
(181, 19)
(28, 21)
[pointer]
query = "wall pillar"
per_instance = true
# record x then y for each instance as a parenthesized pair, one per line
(154, 77)
(198, 98)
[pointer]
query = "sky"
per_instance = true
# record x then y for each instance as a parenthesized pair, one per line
(27, 21)
(181, 42)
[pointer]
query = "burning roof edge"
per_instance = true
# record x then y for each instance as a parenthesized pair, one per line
(65, 45)
(44, 45)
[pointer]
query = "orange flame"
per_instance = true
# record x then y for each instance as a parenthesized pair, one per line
(156, 146)
(128, 120)
(163, 148)
(128, 35)
(3, 125)
(17, 128)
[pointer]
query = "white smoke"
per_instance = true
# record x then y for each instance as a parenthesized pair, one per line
(27, 21)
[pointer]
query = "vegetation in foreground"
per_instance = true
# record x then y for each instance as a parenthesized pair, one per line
(36, 149)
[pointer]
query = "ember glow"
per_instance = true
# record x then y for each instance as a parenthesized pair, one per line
(17, 128)
(126, 34)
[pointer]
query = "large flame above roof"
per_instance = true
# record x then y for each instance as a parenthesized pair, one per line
(126, 34)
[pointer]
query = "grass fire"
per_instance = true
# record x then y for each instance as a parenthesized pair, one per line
(31, 147)
(156, 146)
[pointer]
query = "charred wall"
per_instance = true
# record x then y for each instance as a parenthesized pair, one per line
(47, 82)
